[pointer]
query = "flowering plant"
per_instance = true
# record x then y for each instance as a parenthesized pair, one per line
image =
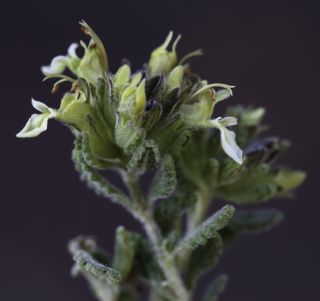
(159, 120)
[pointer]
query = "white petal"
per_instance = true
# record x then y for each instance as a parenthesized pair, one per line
(57, 66)
(228, 121)
(36, 124)
(40, 106)
(229, 145)
(43, 108)
(72, 51)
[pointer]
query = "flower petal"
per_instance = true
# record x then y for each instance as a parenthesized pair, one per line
(229, 145)
(227, 137)
(40, 106)
(228, 121)
(72, 51)
(57, 65)
(36, 124)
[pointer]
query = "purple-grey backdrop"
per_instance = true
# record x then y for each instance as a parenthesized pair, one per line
(269, 50)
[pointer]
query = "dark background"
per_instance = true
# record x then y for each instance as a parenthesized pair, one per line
(269, 50)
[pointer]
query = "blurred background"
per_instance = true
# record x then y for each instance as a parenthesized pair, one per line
(269, 50)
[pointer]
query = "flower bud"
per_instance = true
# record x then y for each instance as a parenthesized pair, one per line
(133, 99)
(198, 113)
(91, 66)
(174, 79)
(161, 60)
(252, 117)
(121, 78)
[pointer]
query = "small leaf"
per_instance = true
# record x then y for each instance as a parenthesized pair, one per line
(208, 229)
(230, 171)
(216, 288)
(204, 258)
(249, 194)
(145, 156)
(164, 181)
(124, 251)
(257, 221)
(86, 263)
(289, 180)
(95, 180)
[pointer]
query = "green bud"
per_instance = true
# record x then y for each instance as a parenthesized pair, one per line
(161, 60)
(133, 99)
(93, 64)
(252, 117)
(141, 99)
(198, 113)
(90, 66)
(77, 112)
(174, 79)
(121, 78)
(288, 179)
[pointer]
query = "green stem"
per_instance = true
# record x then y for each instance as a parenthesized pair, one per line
(200, 210)
(144, 213)
(198, 215)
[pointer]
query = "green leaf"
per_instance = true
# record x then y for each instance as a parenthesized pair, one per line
(145, 262)
(164, 181)
(145, 156)
(125, 249)
(105, 102)
(204, 258)
(95, 180)
(216, 288)
(208, 229)
(289, 180)
(86, 263)
(249, 193)
(254, 222)
(230, 171)
(147, 267)
(168, 212)
(128, 134)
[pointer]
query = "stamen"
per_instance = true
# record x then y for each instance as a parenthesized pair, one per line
(175, 43)
(197, 52)
(215, 85)
(88, 30)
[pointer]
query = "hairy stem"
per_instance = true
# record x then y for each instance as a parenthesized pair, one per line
(200, 210)
(199, 213)
(144, 213)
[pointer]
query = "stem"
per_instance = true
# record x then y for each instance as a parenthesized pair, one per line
(198, 215)
(144, 213)
(200, 211)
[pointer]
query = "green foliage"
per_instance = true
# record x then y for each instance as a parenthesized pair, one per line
(204, 258)
(164, 181)
(159, 122)
(255, 222)
(216, 288)
(86, 263)
(125, 249)
(208, 229)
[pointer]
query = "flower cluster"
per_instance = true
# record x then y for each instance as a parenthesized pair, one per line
(164, 102)
(159, 119)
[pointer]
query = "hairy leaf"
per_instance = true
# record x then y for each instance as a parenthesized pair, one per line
(208, 229)
(203, 258)
(125, 249)
(216, 288)
(145, 156)
(85, 262)
(95, 180)
(164, 181)
(257, 221)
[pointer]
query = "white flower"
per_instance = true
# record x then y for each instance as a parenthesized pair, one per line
(37, 123)
(60, 62)
(228, 138)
